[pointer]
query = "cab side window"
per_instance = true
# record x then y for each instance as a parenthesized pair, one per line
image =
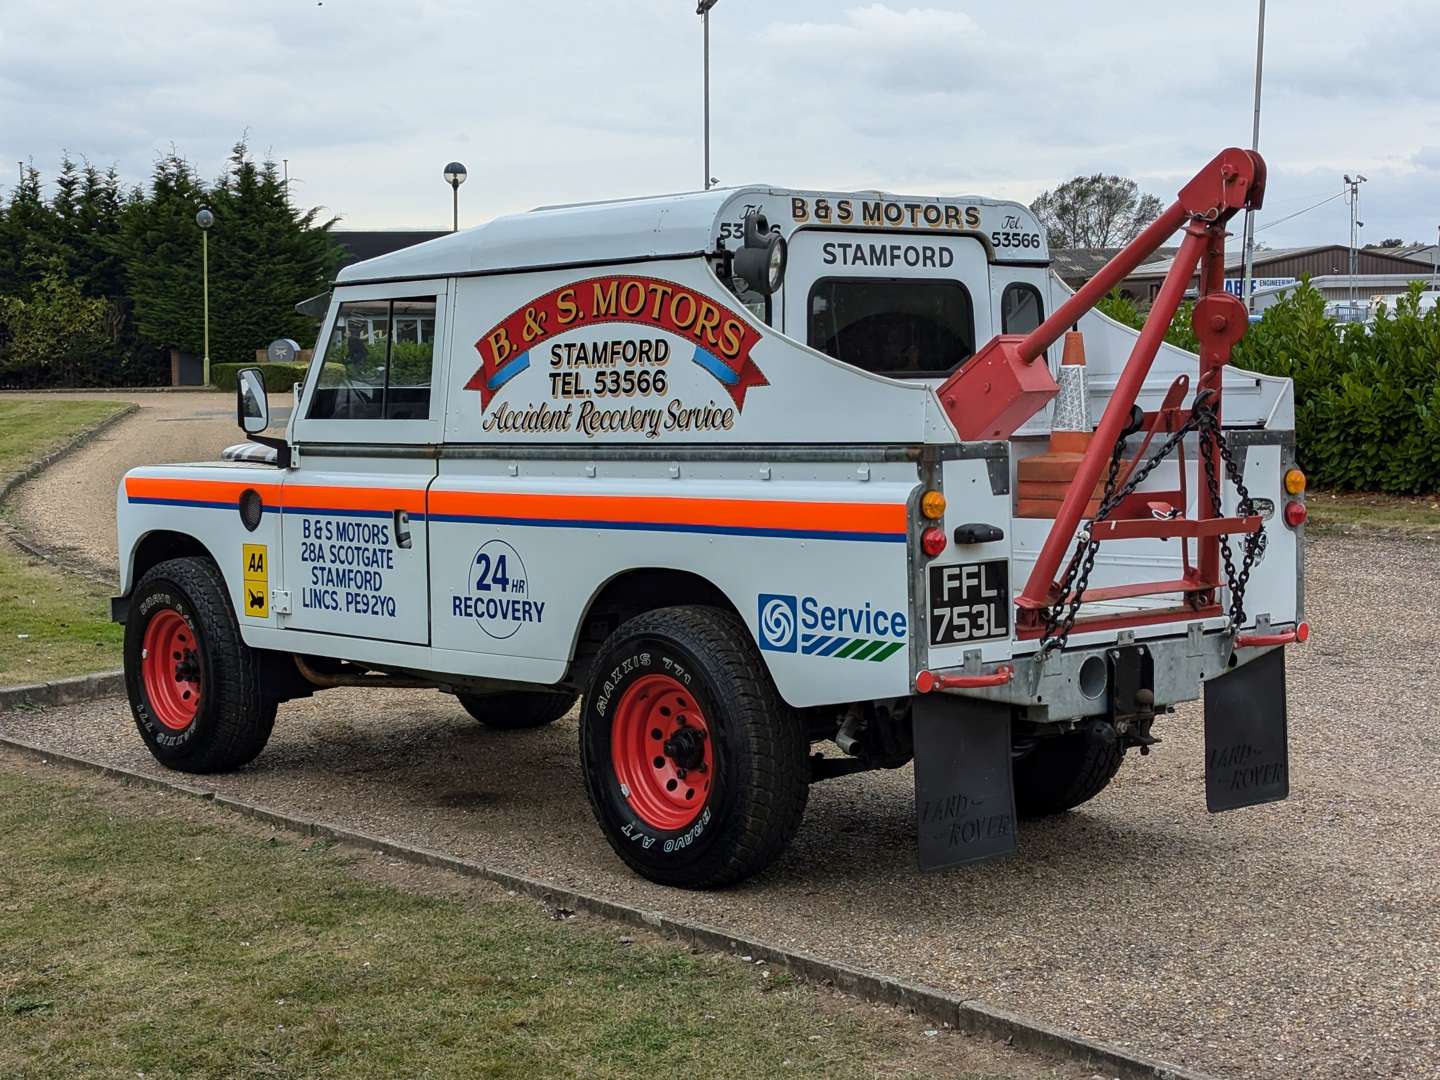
(1021, 309)
(377, 363)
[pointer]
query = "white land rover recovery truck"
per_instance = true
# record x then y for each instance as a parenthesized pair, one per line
(737, 470)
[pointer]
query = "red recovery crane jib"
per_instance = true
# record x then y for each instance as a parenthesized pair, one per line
(1004, 385)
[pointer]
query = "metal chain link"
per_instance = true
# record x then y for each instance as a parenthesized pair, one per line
(1060, 617)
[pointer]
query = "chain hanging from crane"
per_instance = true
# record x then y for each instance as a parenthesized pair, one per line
(1060, 617)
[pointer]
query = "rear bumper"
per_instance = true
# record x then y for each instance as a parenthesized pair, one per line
(1076, 682)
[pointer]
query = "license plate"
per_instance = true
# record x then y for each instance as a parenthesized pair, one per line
(969, 602)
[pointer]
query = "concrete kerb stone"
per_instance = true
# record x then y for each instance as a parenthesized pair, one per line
(963, 1014)
(99, 684)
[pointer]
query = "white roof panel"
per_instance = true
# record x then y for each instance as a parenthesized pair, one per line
(658, 226)
(669, 226)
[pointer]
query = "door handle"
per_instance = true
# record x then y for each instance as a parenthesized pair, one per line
(402, 528)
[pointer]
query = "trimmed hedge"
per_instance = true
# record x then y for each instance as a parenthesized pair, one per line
(1367, 395)
(278, 377)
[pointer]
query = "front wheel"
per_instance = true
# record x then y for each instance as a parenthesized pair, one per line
(193, 684)
(696, 769)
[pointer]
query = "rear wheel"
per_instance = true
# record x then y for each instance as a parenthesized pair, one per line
(518, 709)
(697, 771)
(1063, 771)
(193, 684)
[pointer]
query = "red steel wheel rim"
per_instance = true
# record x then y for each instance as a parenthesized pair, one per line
(661, 748)
(170, 669)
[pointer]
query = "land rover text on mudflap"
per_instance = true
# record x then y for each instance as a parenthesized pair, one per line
(781, 485)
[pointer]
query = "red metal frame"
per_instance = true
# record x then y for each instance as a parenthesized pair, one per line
(1299, 635)
(927, 681)
(1233, 181)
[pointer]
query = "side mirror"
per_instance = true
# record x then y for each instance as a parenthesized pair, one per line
(252, 406)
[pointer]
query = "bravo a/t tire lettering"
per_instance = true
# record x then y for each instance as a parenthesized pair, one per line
(699, 662)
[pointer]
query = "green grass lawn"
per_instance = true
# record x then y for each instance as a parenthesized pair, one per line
(52, 624)
(144, 935)
(1416, 514)
(31, 429)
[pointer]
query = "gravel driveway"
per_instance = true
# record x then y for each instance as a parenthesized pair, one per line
(1300, 939)
(70, 508)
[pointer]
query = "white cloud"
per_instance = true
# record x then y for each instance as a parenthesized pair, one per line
(567, 99)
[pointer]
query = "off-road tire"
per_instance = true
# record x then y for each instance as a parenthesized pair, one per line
(518, 709)
(1062, 771)
(759, 781)
(234, 717)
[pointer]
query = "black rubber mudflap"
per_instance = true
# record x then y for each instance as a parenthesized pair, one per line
(1247, 755)
(964, 793)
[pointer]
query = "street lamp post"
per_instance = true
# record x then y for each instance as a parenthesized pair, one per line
(1353, 183)
(205, 219)
(455, 176)
(1248, 286)
(703, 10)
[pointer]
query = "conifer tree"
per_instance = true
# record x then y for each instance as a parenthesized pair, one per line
(160, 246)
(264, 258)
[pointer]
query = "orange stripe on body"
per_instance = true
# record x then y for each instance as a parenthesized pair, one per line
(164, 487)
(670, 510)
(326, 497)
(880, 518)
(320, 496)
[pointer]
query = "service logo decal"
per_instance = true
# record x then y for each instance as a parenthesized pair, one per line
(811, 627)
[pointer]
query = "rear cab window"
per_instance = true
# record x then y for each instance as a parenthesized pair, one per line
(918, 328)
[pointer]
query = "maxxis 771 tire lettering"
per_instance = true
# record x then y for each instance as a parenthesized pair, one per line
(219, 718)
(696, 770)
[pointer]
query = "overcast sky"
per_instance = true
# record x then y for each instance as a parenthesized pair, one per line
(559, 100)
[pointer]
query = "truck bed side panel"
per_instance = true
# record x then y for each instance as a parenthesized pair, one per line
(811, 556)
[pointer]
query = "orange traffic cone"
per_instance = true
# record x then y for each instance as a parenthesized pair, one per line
(1045, 478)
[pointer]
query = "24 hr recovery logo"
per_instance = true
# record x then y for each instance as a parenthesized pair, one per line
(498, 592)
(804, 624)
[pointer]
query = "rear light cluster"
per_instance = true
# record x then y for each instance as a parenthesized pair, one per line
(1295, 512)
(933, 540)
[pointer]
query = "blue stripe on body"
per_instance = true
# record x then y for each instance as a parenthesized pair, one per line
(661, 526)
(319, 511)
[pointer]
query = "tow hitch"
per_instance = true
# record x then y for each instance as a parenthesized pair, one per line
(1132, 695)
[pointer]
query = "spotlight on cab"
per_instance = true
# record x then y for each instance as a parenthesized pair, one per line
(760, 262)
